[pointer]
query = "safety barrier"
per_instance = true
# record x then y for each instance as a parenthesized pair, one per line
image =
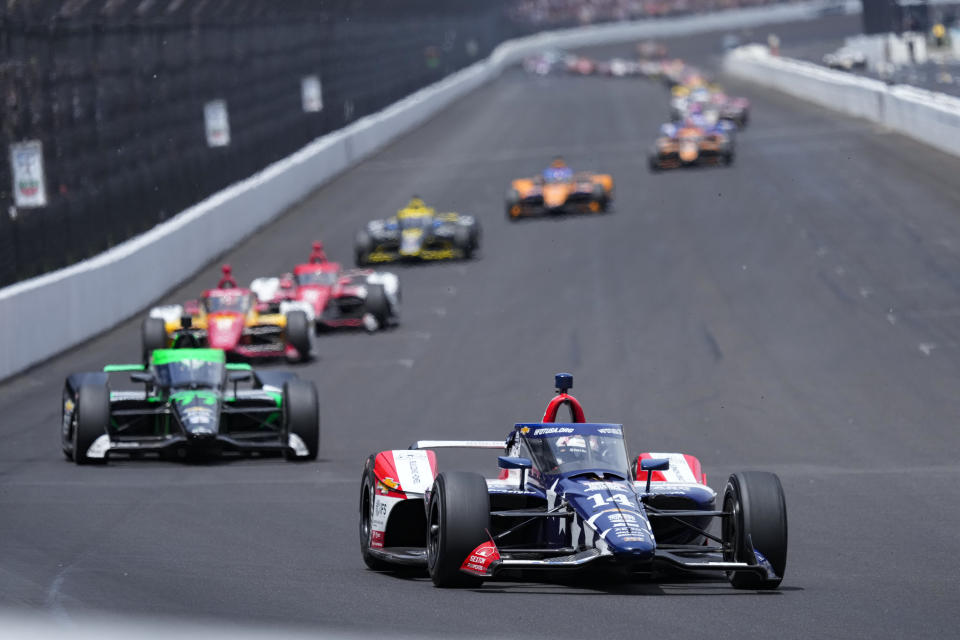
(51, 313)
(926, 116)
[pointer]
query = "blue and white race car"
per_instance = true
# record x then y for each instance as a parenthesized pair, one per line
(568, 498)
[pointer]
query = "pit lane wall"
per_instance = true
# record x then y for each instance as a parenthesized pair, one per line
(926, 116)
(48, 314)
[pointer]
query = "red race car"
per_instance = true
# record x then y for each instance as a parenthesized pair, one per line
(331, 296)
(230, 318)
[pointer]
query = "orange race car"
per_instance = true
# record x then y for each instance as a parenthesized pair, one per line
(559, 190)
(689, 144)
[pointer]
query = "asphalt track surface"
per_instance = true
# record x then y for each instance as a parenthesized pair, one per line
(798, 312)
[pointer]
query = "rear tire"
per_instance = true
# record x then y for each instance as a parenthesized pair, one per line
(367, 499)
(457, 523)
(361, 248)
(654, 164)
(301, 417)
(600, 196)
(92, 419)
(153, 335)
(759, 515)
(513, 200)
(463, 241)
(298, 333)
(377, 305)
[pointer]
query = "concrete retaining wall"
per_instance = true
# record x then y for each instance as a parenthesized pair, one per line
(929, 117)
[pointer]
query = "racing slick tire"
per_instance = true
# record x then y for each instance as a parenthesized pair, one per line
(728, 157)
(153, 335)
(362, 245)
(378, 305)
(513, 205)
(457, 522)
(367, 485)
(462, 239)
(654, 163)
(301, 417)
(756, 500)
(92, 416)
(298, 333)
(600, 196)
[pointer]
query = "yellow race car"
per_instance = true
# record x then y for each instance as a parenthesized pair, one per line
(417, 232)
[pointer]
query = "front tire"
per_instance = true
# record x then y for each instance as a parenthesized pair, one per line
(153, 335)
(759, 516)
(367, 500)
(458, 521)
(298, 333)
(301, 417)
(463, 241)
(362, 246)
(377, 305)
(92, 419)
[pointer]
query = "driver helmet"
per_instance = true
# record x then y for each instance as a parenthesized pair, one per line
(558, 163)
(572, 449)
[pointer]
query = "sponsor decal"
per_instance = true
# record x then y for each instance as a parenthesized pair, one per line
(376, 539)
(26, 165)
(616, 431)
(621, 517)
(311, 94)
(217, 123)
(481, 559)
(544, 431)
(604, 486)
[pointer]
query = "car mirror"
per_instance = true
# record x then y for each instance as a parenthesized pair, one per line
(511, 462)
(142, 376)
(239, 376)
(653, 464)
(514, 462)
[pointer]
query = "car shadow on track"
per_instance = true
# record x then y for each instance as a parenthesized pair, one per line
(585, 584)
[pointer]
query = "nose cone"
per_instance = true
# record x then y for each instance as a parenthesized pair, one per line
(224, 330)
(613, 510)
(198, 412)
(555, 195)
(411, 241)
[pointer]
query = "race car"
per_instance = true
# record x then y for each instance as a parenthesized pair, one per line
(567, 498)
(418, 232)
(335, 298)
(190, 404)
(227, 317)
(689, 144)
(736, 110)
(559, 190)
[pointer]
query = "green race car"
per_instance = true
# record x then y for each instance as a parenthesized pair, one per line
(191, 403)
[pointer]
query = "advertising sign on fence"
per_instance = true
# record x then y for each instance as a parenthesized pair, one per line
(217, 122)
(311, 94)
(26, 165)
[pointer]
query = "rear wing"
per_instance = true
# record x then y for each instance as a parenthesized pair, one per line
(459, 444)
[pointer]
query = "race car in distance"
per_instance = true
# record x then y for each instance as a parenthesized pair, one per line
(567, 498)
(418, 232)
(335, 298)
(559, 190)
(190, 403)
(690, 144)
(227, 318)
